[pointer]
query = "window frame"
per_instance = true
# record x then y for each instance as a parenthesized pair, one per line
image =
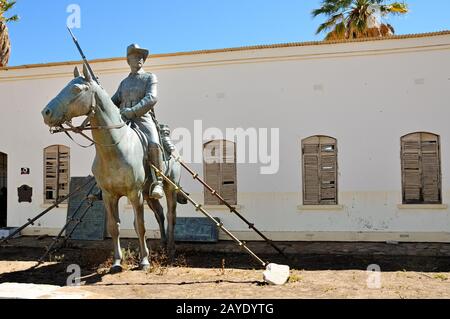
(439, 158)
(303, 170)
(223, 143)
(57, 190)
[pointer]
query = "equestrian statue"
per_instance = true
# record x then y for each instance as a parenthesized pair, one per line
(127, 141)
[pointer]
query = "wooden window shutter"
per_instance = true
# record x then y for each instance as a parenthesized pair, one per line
(228, 171)
(56, 172)
(211, 170)
(220, 171)
(411, 168)
(319, 170)
(421, 172)
(63, 172)
(328, 171)
(311, 183)
(50, 172)
(431, 171)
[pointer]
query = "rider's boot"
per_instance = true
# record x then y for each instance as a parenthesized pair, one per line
(157, 190)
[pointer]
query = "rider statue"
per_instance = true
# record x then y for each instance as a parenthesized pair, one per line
(136, 98)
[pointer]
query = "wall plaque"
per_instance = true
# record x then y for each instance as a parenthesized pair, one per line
(25, 193)
(196, 229)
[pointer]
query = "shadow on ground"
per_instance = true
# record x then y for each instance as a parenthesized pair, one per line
(90, 259)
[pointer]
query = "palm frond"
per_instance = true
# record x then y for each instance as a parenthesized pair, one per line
(330, 23)
(14, 18)
(358, 18)
(399, 8)
(5, 6)
(331, 7)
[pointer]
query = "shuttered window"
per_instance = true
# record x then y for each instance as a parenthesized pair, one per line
(219, 170)
(56, 172)
(319, 161)
(421, 168)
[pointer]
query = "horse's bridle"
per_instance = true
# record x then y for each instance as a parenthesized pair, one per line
(86, 126)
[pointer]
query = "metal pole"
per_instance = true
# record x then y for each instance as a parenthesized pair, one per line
(232, 209)
(83, 56)
(31, 221)
(78, 222)
(72, 218)
(198, 207)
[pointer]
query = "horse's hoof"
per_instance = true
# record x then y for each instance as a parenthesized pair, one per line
(116, 269)
(144, 265)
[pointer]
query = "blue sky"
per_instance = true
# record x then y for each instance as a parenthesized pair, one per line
(163, 26)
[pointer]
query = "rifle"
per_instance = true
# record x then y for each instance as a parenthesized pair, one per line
(83, 56)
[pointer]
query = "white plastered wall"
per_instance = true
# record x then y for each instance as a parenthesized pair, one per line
(366, 95)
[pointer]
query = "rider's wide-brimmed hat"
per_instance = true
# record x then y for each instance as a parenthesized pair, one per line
(135, 48)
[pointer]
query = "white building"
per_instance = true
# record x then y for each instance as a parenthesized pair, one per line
(363, 95)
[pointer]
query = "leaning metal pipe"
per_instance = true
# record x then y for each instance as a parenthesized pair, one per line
(31, 221)
(198, 207)
(78, 221)
(230, 207)
(72, 218)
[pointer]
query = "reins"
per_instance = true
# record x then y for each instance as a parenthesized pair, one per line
(86, 126)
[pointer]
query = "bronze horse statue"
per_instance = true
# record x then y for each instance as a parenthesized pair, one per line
(120, 166)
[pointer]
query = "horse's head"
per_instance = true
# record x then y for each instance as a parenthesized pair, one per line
(76, 99)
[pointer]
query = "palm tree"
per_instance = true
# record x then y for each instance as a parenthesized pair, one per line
(351, 19)
(5, 44)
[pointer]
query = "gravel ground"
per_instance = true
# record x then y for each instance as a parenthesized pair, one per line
(219, 275)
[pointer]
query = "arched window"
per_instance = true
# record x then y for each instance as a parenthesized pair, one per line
(56, 172)
(421, 168)
(319, 166)
(219, 170)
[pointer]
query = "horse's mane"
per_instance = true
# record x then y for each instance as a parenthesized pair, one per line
(105, 99)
